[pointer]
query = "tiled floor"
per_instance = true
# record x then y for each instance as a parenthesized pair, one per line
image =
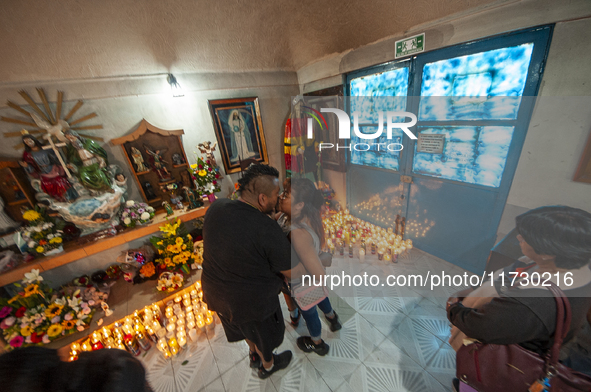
(393, 339)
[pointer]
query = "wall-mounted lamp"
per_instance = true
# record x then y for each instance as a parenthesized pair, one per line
(177, 91)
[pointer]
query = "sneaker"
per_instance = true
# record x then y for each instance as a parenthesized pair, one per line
(280, 361)
(335, 325)
(306, 344)
(255, 360)
(295, 321)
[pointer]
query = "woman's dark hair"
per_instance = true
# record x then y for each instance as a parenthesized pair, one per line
(34, 139)
(560, 231)
(304, 190)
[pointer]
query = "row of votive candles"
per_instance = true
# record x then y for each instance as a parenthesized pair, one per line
(183, 317)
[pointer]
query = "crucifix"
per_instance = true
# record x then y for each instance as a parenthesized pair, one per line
(54, 147)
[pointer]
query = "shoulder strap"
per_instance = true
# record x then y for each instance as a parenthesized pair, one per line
(563, 320)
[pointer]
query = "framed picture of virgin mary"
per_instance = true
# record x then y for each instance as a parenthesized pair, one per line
(239, 131)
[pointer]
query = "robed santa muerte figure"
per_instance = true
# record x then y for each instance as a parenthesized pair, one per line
(44, 165)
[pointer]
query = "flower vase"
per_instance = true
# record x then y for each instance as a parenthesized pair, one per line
(211, 197)
(54, 251)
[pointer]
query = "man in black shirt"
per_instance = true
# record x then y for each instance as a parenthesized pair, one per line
(244, 252)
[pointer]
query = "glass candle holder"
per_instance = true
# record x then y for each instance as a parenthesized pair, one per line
(181, 315)
(186, 296)
(193, 293)
(190, 324)
(178, 299)
(180, 321)
(193, 335)
(174, 351)
(198, 285)
(187, 302)
(161, 332)
(172, 320)
(201, 324)
(182, 341)
(189, 309)
(171, 327)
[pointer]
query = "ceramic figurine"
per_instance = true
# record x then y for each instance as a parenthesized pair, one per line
(168, 208)
(149, 191)
(6, 223)
(158, 163)
(89, 161)
(177, 159)
(192, 198)
(186, 178)
(138, 159)
(105, 307)
(44, 165)
(207, 148)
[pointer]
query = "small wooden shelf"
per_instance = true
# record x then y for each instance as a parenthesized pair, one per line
(154, 200)
(73, 252)
(142, 173)
(184, 164)
(17, 202)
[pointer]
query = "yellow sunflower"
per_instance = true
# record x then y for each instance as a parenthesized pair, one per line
(31, 290)
(54, 330)
(39, 249)
(68, 324)
(53, 310)
(26, 331)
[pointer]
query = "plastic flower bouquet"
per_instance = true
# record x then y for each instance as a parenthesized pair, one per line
(205, 176)
(41, 235)
(37, 314)
(175, 248)
(136, 213)
(170, 281)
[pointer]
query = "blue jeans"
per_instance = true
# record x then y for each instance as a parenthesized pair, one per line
(312, 319)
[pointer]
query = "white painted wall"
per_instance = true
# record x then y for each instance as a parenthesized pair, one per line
(123, 102)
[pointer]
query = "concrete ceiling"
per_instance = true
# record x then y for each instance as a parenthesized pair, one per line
(80, 39)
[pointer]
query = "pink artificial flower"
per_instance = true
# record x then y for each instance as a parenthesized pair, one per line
(7, 322)
(29, 339)
(17, 341)
(68, 317)
(55, 320)
(5, 311)
(45, 339)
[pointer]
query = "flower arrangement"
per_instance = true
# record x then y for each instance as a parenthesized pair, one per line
(175, 248)
(37, 315)
(205, 176)
(148, 270)
(136, 213)
(170, 281)
(41, 235)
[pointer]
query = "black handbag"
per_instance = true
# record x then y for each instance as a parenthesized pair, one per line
(493, 367)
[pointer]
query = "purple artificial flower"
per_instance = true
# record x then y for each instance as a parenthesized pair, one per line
(5, 311)
(140, 211)
(133, 215)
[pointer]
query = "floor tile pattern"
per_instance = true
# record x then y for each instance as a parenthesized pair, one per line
(393, 339)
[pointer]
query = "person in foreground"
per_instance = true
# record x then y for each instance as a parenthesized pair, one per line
(302, 206)
(244, 253)
(37, 369)
(556, 243)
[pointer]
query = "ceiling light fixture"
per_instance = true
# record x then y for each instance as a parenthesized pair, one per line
(177, 91)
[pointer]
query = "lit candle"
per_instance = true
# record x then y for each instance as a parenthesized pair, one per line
(187, 302)
(190, 324)
(201, 324)
(171, 327)
(362, 255)
(172, 320)
(198, 285)
(182, 341)
(174, 350)
(86, 346)
(186, 296)
(193, 335)
(172, 342)
(178, 299)
(188, 309)
(209, 321)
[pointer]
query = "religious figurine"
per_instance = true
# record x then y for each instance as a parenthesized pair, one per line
(89, 160)
(149, 191)
(158, 163)
(186, 178)
(168, 208)
(208, 149)
(105, 307)
(192, 198)
(6, 222)
(138, 159)
(121, 181)
(177, 159)
(44, 165)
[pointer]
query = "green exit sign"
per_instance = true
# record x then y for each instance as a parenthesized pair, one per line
(411, 45)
